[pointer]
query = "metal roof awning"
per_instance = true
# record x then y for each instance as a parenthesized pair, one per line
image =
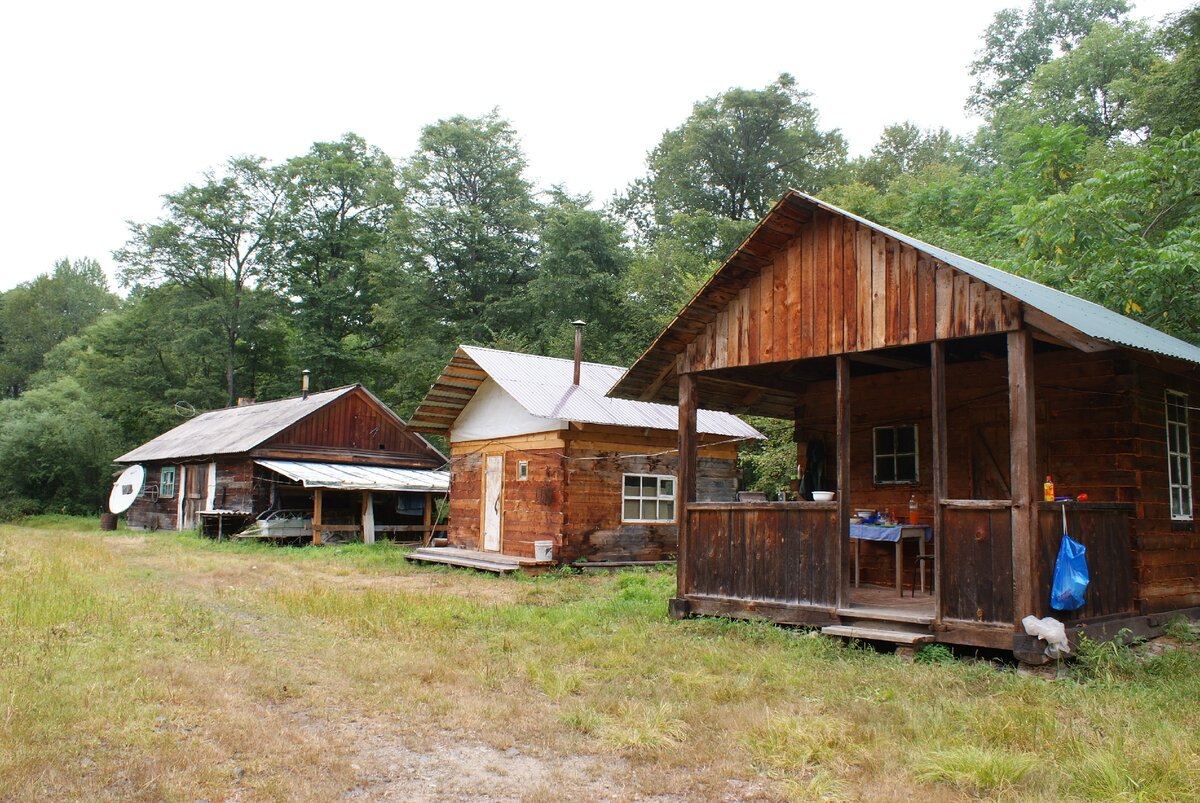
(343, 477)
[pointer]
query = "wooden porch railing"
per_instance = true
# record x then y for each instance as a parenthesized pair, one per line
(783, 552)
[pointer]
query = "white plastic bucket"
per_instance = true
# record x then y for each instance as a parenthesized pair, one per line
(543, 550)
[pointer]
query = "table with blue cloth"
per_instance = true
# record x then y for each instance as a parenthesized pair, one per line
(897, 534)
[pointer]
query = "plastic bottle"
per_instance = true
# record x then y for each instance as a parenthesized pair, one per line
(1048, 489)
(912, 509)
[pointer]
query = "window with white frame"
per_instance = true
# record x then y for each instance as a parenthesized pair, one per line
(522, 469)
(648, 497)
(896, 455)
(166, 482)
(1179, 456)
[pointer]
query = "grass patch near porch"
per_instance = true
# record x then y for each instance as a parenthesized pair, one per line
(165, 666)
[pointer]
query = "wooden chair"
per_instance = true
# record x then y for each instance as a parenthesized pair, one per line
(919, 568)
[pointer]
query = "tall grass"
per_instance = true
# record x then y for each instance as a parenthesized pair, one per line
(107, 634)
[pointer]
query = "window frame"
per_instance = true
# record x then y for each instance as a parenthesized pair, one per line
(522, 470)
(162, 485)
(657, 498)
(894, 455)
(1179, 460)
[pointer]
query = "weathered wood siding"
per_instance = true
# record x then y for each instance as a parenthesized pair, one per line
(573, 494)
(1103, 528)
(777, 553)
(840, 287)
(160, 514)
(353, 423)
(977, 568)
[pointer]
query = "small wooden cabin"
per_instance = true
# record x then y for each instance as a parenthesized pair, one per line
(929, 377)
(340, 455)
(535, 456)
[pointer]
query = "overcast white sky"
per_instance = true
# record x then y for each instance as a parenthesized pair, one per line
(106, 106)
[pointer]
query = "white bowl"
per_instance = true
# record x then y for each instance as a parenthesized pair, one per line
(822, 496)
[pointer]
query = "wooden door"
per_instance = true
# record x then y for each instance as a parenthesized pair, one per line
(194, 495)
(493, 482)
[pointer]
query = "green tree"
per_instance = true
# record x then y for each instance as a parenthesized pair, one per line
(56, 450)
(904, 149)
(37, 315)
(735, 155)
(1017, 43)
(1169, 97)
(215, 240)
(469, 238)
(338, 199)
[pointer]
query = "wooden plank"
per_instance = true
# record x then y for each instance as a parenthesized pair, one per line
(766, 317)
(878, 290)
(686, 492)
(937, 358)
(943, 301)
(804, 314)
(745, 317)
(753, 322)
(842, 536)
(1023, 468)
(819, 308)
(892, 301)
(863, 261)
(835, 270)
(908, 295)
(316, 538)
(849, 303)
(794, 295)
(961, 316)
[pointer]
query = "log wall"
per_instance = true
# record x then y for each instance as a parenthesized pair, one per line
(1104, 530)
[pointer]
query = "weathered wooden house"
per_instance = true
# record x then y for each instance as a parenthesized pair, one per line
(340, 456)
(929, 377)
(538, 453)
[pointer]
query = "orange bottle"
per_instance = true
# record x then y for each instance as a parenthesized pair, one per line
(1048, 489)
(912, 509)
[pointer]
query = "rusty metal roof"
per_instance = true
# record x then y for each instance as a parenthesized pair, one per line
(544, 387)
(359, 478)
(233, 430)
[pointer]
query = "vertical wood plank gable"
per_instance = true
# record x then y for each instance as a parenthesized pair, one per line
(926, 300)
(820, 285)
(863, 259)
(792, 285)
(766, 323)
(892, 325)
(944, 300)
(806, 290)
(849, 302)
(878, 290)
(836, 272)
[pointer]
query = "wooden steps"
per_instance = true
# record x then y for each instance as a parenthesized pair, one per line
(907, 637)
(474, 559)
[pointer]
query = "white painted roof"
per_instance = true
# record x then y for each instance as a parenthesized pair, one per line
(344, 477)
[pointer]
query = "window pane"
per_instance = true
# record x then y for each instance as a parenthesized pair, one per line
(632, 484)
(885, 441)
(906, 439)
(667, 487)
(649, 487)
(666, 511)
(906, 468)
(632, 509)
(1175, 503)
(885, 469)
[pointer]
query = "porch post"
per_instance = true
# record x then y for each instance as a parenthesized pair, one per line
(686, 491)
(368, 518)
(316, 517)
(937, 373)
(843, 480)
(1023, 451)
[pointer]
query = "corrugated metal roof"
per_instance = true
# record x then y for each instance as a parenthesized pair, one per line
(359, 478)
(232, 430)
(544, 387)
(1092, 319)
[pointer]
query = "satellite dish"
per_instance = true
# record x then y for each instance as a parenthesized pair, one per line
(184, 409)
(126, 489)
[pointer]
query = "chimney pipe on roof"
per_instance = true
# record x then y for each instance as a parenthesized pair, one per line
(304, 383)
(578, 347)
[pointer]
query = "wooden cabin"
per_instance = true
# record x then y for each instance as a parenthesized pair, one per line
(930, 378)
(538, 453)
(340, 459)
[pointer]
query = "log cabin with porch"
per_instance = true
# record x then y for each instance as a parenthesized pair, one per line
(339, 462)
(538, 453)
(930, 379)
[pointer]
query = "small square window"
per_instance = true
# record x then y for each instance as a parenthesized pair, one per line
(166, 482)
(896, 455)
(522, 469)
(648, 498)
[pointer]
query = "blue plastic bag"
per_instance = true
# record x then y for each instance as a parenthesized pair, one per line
(1070, 575)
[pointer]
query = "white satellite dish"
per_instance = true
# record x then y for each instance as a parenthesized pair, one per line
(126, 489)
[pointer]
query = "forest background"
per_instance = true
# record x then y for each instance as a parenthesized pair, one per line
(362, 268)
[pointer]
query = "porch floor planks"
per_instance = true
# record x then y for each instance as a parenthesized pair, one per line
(475, 559)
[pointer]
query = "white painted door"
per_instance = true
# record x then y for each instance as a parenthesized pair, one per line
(492, 483)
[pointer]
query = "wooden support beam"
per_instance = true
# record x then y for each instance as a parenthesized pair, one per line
(656, 384)
(1023, 468)
(316, 525)
(1063, 333)
(937, 361)
(368, 518)
(843, 481)
(686, 492)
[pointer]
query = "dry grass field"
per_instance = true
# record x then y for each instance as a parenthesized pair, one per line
(161, 666)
